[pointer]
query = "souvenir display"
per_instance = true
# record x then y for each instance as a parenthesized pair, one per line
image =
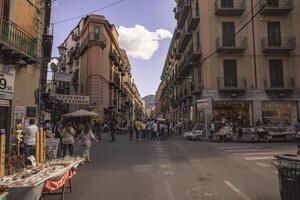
(34, 176)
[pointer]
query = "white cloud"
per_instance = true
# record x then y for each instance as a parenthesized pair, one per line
(141, 43)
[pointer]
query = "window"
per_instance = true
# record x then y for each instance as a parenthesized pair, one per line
(6, 9)
(276, 74)
(197, 41)
(96, 33)
(227, 4)
(273, 3)
(230, 73)
(274, 34)
(228, 34)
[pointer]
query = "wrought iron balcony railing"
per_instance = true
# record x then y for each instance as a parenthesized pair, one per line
(230, 7)
(278, 83)
(93, 39)
(15, 38)
(232, 83)
(283, 44)
(234, 44)
(276, 7)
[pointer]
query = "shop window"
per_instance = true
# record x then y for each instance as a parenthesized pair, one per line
(276, 74)
(228, 34)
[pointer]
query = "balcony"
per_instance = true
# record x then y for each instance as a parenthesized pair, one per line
(279, 85)
(17, 46)
(114, 56)
(193, 20)
(185, 39)
(177, 33)
(184, 11)
(116, 81)
(232, 85)
(230, 8)
(93, 39)
(280, 45)
(276, 7)
(231, 45)
(192, 55)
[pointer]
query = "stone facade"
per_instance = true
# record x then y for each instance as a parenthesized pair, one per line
(195, 66)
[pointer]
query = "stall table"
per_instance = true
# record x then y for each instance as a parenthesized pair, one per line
(47, 177)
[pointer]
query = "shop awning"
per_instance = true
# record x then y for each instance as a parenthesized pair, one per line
(81, 113)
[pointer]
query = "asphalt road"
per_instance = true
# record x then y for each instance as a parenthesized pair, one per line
(178, 170)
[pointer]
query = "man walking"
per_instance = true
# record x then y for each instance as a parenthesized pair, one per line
(112, 127)
(130, 130)
(155, 130)
(30, 138)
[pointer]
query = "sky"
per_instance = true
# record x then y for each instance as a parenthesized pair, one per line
(145, 28)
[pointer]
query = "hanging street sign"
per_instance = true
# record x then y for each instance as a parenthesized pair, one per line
(73, 99)
(202, 103)
(62, 77)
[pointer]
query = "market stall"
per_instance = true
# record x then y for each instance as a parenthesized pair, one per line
(280, 133)
(45, 177)
(82, 115)
(248, 135)
(224, 134)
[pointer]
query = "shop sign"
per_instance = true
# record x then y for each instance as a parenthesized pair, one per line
(4, 103)
(7, 79)
(73, 99)
(63, 77)
(8, 96)
(202, 103)
(52, 147)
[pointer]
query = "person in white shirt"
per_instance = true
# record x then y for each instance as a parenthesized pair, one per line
(155, 130)
(30, 138)
(85, 142)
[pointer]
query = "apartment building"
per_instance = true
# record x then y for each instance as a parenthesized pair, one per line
(101, 70)
(246, 69)
(23, 33)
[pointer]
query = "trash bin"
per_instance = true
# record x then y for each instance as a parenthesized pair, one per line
(288, 167)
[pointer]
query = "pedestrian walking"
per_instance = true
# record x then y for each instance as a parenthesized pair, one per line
(58, 128)
(155, 130)
(148, 130)
(30, 139)
(130, 130)
(143, 130)
(97, 129)
(137, 130)
(297, 129)
(112, 128)
(86, 138)
(67, 135)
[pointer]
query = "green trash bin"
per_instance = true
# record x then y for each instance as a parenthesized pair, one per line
(288, 167)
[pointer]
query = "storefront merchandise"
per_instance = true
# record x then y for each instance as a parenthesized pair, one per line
(276, 113)
(232, 112)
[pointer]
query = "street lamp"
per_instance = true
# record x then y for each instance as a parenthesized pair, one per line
(62, 50)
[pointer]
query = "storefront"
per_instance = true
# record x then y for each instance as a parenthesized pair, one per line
(279, 112)
(232, 111)
(7, 80)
